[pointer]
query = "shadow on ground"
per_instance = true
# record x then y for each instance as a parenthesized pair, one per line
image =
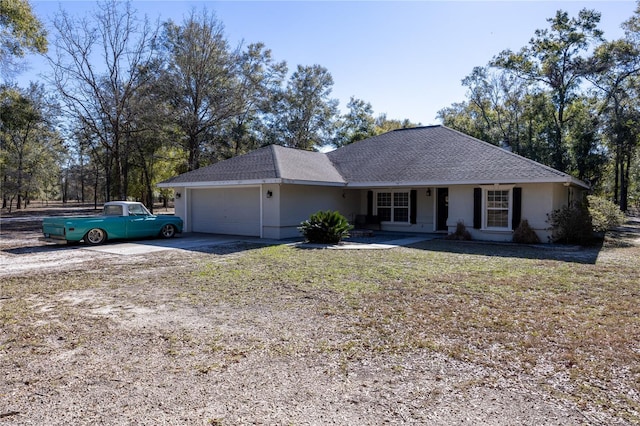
(624, 236)
(211, 244)
(574, 254)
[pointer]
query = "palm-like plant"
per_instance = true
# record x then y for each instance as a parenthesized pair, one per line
(325, 227)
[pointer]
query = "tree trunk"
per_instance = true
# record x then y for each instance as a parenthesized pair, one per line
(4, 195)
(95, 189)
(193, 153)
(624, 187)
(616, 183)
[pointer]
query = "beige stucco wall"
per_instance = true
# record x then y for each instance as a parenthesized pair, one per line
(537, 201)
(460, 207)
(289, 205)
(180, 206)
(297, 202)
(271, 211)
(425, 217)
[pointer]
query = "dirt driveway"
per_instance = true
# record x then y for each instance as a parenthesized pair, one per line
(94, 336)
(25, 253)
(22, 251)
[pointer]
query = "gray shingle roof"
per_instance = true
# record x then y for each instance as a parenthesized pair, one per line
(264, 164)
(433, 155)
(437, 155)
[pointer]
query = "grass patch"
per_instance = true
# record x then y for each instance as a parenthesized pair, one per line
(569, 327)
(550, 319)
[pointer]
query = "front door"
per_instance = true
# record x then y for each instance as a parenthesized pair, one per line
(442, 208)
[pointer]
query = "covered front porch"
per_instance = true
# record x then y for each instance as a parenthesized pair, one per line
(416, 210)
(391, 209)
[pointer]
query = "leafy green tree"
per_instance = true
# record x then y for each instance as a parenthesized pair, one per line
(462, 116)
(357, 124)
(30, 147)
(494, 110)
(554, 60)
(499, 98)
(614, 70)
(584, 139)
(538, 116)
(304, 114)
(384, 124)
(150, 135)
(20, 32)
(259, 82)
(202, 81)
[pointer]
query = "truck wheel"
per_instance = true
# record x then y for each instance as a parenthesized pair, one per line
(168, 231)
(95, 236)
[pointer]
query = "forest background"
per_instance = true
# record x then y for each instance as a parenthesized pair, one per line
(129, 102)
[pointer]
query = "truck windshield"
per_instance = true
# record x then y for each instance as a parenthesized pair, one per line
(138, 210)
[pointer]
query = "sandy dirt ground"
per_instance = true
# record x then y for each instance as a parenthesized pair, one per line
(121, 346)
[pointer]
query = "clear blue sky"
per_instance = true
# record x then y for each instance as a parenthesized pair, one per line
(405, 58)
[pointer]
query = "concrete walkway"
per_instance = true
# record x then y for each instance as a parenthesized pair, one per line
(348, 245)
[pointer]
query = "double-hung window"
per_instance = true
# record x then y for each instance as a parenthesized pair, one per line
(393, 206)
(497, 208)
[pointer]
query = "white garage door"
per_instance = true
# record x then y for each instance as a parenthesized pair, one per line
(226, 211)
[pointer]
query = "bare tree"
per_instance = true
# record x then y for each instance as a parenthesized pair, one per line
(100, 63)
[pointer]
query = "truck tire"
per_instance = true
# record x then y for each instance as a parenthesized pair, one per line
(95, 236)
(168, 231)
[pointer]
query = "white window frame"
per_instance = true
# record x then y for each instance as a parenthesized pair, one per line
(485, 207)
(393, 206)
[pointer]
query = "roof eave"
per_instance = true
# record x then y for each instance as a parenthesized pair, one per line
(568, 180)
(209, 184)
(252, 182)
(314, 182)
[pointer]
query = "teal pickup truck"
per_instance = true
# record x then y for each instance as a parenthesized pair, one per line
(119, 220)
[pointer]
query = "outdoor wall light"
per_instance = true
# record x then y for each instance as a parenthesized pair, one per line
(269, 194)
(428, 192)
(178, 195)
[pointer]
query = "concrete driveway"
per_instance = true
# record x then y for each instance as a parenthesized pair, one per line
(189, 241)
(195, 241)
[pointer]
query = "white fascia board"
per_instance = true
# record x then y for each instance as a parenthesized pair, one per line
(560, 179)
(566, 180)
(240, 183)
(578, 182)
(213, 184)
(312, 182)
